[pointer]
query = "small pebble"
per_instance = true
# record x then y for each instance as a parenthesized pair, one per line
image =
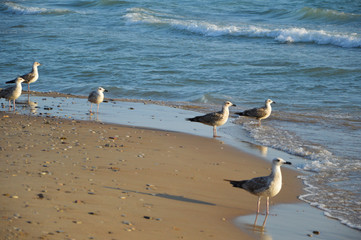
(127, 223)
(40, 196)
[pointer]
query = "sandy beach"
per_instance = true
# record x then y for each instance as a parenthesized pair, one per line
(71, 179)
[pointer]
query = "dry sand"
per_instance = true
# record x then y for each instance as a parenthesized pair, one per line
(68, 179)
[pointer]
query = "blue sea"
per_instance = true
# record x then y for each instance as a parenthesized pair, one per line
(303, 54)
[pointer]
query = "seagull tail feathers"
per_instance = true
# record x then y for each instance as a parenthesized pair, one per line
(236, 183)
(240, 113)
(11, 81)
(195, 119)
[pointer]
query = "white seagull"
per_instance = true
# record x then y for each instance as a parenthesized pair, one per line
(30, 77)
(267, 186)
(13, 92)
(259, 113)
(214, 119)
(96, 97)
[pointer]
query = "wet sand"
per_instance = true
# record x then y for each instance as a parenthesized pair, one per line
(72, 179)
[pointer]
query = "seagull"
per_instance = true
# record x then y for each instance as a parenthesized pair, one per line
(13, 92)
(29, 77)
(267, 186)
(214, 119)
(259, 113)
(96, 97)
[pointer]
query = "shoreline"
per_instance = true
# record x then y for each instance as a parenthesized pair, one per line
(68, 109)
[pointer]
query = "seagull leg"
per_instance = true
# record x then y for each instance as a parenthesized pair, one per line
(14, 104)
(258, 204)
(28, 87)
(9, 105)
(265, 220)
(215, 131)
(98, 108)
(267, 205)
(267, 212)
(91, 107)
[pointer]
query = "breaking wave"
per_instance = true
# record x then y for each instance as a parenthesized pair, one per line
(15, 8)
(283, 35)
(328, 15)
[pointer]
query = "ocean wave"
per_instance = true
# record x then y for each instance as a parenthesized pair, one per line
(327, 14)
(289, 142)
(112, 2)
(321, 194)
(283, 35)
(15, 8)
(92, 3)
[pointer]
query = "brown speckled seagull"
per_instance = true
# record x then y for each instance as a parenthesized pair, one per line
(214, 119)
(259, 113)
(13, 92)
(30, 77)
(267, 186)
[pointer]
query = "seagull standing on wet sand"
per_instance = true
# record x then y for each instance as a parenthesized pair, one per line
(96, 97)
(259, 113)
(214, 119)
(13, 92)
(268, 186)
(31, 76)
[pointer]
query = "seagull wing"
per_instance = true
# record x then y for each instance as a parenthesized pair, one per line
(28, 77)
(92, 96)
(7, 92)
(208, 119)
(256, 185)
(255, 112)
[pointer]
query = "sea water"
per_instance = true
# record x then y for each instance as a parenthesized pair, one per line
(304, 55)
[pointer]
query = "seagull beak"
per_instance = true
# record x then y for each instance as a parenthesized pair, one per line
(273, 102)
(289, 163)
(106, 90)
(234, 105)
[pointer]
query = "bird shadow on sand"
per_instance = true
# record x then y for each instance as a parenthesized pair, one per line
(165, 195)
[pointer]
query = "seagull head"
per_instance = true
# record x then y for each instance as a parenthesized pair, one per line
(19, 80)
(100, 89)
(269, 101)
(279, 162)
(36, 64)
(229, 104)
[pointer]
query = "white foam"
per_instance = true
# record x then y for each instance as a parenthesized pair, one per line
(23, 10)
(330, 14)
(312, 197)
(284, 35)
(289, 142)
